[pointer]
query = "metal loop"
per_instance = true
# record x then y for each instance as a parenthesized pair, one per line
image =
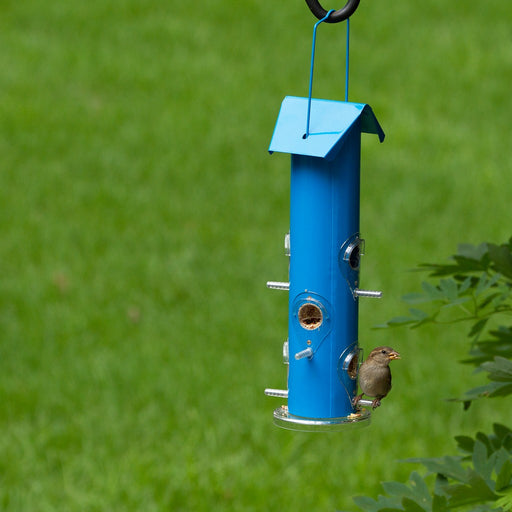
(336, 16)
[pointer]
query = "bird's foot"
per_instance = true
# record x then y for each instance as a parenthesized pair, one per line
(356, 399)
(376, 403)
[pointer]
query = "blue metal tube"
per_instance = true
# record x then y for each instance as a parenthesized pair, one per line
(323, 311)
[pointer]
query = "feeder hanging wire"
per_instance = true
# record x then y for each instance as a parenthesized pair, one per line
(313, 46)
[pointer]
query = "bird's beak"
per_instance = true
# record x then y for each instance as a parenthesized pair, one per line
(394, 355)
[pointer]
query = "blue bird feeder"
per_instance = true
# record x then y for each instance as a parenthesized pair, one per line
(325, 247)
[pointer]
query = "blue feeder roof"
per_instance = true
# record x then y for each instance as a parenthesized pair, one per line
(329, 122)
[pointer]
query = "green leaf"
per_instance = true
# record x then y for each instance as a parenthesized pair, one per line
(472, 252)
(494, 279)
(476, 491)
(501, 390)
(448, 466)
(456, 302)
(500, 453)
(477, 328)
(501, 431)
(482, 464)
(500, 373)
(484, 507)
(504, 475)
(465, 285)
(505, 501)
(491, 298)
(439, 270)
(366, 503)
(418, 314)
(486, 282)
(500, 303)
(421, 490)
(500, 344)
(499, 370)
(440, 483)
(411, 506)
(401, 320)
(398, 489)
(492, 389)
(382, 504)
(501, 258)
(449, 288)
(484, 439)
(439, 503)
(465, 443)
(431, 291)
(471, 259)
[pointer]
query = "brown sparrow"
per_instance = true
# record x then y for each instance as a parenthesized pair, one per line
(375, 375)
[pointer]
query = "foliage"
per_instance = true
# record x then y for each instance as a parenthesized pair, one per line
(474, 288)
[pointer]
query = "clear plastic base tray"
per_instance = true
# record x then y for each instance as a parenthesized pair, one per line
(283, 419)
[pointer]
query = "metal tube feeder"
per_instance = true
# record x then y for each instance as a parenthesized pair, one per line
(325, 248)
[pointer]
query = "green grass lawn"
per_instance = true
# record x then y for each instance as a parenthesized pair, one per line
(141, 215)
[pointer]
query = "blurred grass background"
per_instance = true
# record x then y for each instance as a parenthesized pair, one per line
(141, 216)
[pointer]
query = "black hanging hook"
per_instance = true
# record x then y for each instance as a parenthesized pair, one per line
(336, 16)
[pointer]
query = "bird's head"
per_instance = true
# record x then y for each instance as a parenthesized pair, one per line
(383, 355)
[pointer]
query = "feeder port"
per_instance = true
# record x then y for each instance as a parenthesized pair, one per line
(310, 316)
(354, 252)
(351, 364)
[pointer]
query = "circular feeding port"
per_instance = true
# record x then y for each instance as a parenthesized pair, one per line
(354, 257)
(352, 365)
(310, 316)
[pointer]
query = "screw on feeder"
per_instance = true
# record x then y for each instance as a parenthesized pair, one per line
(307, 352)
(373, 294)
(278, 285)
(283, 393)
(363, 402)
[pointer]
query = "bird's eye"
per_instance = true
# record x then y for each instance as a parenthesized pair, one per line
(383, 351)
